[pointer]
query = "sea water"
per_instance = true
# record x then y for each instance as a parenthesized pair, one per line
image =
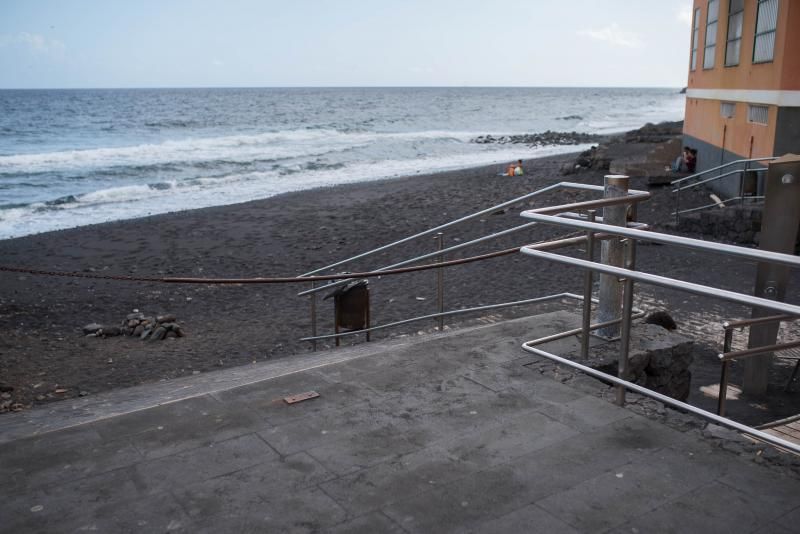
(76, 157)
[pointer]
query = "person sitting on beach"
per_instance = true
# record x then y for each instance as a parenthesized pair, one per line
(510, 170)
(691, 160)
(680, 164)
(518, 169)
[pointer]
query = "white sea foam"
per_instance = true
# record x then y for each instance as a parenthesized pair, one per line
(125, 202)
(236, 148)
(151, 152)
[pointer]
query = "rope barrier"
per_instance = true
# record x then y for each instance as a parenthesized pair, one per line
(286, 279)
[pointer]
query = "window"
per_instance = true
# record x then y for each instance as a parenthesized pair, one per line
(766, 23)
(727, 109)
(695, 37)
(711, 34)
(758, 114)
(733, 45)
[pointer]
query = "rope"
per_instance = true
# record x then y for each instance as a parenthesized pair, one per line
(279, 280)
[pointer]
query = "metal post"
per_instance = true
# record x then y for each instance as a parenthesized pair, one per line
(742, 176)
(627, 312)
(723, 379)
(612, 253)
(313, 318)
(587, 289)
(440, 282)
(779, 223)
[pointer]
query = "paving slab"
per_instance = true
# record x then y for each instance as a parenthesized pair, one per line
(455, 432)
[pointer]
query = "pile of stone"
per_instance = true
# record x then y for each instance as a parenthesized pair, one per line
(655, 133)
(595, 158)
(7, 403)
(547, 138)
(138, 325)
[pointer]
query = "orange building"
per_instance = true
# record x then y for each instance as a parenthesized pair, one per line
(743, 95)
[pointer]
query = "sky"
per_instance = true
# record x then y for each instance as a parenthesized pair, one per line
(319, 43)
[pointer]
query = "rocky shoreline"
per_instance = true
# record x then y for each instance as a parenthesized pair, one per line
(548, 138)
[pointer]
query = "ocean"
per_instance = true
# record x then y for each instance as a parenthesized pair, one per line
(76, 157)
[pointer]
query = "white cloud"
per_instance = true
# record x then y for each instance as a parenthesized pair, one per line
(684, 15)
(217, 62)
(614, 35)
(33, 42)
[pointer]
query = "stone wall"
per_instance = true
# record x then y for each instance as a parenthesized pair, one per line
(735, 224)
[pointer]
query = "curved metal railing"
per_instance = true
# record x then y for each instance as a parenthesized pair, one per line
(629, 275)
(693, 181)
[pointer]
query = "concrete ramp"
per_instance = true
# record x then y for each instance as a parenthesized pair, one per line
(445, 433)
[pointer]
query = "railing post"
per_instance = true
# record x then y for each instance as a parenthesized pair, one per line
(587, 289)
(440, 282)
(742, 176)
(627, 312)
(313, 318)
(723, 379)
(612, 253)
(780, 220)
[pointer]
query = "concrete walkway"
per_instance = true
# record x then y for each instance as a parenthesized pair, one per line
(450, 433)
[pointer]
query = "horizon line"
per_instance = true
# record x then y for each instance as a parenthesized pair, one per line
(343, 87)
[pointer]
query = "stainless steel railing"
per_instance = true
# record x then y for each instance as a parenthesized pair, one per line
(634, 196)
(629, 276)
(727, 355)
(690, 182)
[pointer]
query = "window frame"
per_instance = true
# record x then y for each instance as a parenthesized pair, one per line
(774, 30)
(751, 107)
(729, 40)
(695, 39)
(725, 105)
(713, 46)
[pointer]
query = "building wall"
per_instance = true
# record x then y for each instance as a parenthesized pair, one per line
(736, 134)
(720, 139)
(790, 64)
(746, 75)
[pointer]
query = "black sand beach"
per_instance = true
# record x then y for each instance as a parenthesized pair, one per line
(44, 355)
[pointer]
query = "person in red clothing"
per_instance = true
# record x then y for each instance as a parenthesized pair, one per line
(691, 160)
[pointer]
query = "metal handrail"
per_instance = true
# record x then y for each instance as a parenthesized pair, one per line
(720, 167)
(726, 201)
(632, 198)
(629, 275)
(640, 195)
(529, 346)
(663, 281)
(668, 239)
(756, 351)
(450, 313)
(741, 172)
(726, 357)
(730, 325)
(715, 178)
(475, 215)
